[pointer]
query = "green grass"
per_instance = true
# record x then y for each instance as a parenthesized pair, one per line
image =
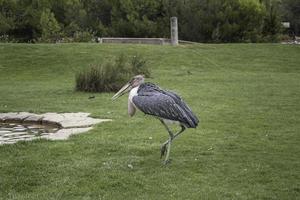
(247, 146)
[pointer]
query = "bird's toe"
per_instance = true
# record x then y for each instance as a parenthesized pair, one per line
(166, 162)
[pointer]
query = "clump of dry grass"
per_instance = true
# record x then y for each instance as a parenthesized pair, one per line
(110, 76)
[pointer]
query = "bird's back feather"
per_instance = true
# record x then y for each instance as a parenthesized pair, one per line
(153, 100)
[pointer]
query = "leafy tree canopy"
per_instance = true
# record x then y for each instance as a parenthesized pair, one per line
(199, 20)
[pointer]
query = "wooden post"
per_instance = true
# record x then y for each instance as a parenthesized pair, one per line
(174, 31)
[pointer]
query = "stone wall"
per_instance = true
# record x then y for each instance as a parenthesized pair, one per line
(158, 41)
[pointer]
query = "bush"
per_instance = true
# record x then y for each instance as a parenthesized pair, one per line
(4, 38)
(83, 36)
(110, 76)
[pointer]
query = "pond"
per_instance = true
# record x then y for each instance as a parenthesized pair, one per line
(13, 132)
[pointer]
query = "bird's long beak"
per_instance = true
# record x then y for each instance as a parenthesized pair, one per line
(122, 91)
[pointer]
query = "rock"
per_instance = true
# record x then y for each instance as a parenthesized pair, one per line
(19, 129)
(30, 138)
(64, 134)
(4, 139)
(15, 140)
(23, 136)
(9, 142)
(5, 129)
(72, 120)
(14, 134)
(34, 118)
(52, 118)
(31, 127)
(79, 122)
(20, 138)
(35, 132)
(71, 123)
(35, 127)
(19, 117)
(130, 166)
(4, 115)
(4, 132)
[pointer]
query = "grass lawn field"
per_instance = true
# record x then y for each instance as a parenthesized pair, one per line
(246, 147)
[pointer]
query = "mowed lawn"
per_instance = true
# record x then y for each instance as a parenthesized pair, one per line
(246, 147)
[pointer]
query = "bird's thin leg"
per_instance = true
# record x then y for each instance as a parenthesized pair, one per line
(174, 136)
(168, 152)
(179, 132)
(169, 131)
(167, 144)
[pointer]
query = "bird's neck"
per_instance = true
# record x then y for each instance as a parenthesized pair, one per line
(133, 92)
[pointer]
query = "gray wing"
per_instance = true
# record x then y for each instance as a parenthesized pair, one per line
(163, 106)
(183, 106)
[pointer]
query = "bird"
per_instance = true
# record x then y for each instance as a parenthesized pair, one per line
(165, 105)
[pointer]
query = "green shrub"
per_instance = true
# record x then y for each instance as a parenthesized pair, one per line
(4, 38)
(83, 36)
(110, 76)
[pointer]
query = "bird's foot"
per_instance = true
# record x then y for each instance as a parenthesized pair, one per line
(168, 161)
(163, 150)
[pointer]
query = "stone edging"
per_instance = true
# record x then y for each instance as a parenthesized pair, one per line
(69, 123)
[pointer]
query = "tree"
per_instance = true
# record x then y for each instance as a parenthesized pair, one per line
(201, 21)
(49, 26)
(291, 13)
(7, 18)
(272, 19)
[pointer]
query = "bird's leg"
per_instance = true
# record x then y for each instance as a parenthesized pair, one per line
(166, 161)
(179, 132)
(172, 137)
(167, 145)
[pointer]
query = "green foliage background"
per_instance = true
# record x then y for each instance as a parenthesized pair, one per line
(199, 20)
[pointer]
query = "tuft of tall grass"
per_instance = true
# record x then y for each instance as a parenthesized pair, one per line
(110, 76)
(139, 66)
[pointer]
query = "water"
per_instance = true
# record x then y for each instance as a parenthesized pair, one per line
(13, 132)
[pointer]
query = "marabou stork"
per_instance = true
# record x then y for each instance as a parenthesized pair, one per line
(167, 106)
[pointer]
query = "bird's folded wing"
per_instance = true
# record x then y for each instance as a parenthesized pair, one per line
(162, 106)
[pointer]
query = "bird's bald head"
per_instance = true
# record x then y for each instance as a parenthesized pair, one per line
(137, 80)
